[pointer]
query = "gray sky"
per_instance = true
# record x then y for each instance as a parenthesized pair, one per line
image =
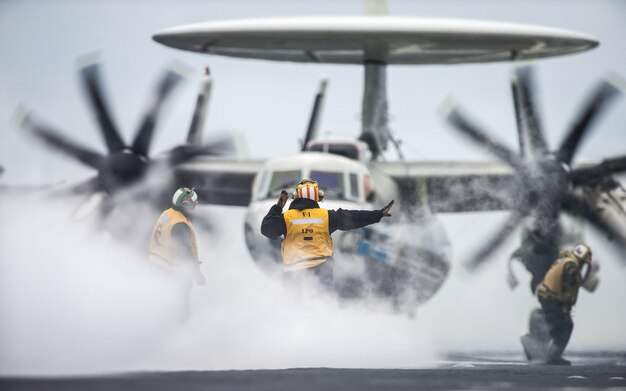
(40, 42)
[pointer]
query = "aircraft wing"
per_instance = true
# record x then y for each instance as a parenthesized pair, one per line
(454, 186)
(220, 181)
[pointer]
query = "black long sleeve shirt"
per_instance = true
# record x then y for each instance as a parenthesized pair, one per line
(273, 224)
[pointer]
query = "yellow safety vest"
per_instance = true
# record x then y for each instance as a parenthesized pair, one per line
(552, 284)
(307, 242)
(162, 250)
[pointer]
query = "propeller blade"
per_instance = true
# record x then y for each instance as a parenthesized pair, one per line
(485, 253)
(604, 93)
(523, 144)
(62, 144)
(106, 206)
(85, 187)
(194, 136)
(82, 188)
(575, 206)
(222, 146)
(531, 139)
(598, 172)
(93, 87)
(89, 205)
(312, 128)
(460, 122)
(143, 139)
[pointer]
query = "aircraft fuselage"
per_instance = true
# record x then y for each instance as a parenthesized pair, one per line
(404, 259)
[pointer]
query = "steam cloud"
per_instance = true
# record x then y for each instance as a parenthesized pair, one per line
(74, 300)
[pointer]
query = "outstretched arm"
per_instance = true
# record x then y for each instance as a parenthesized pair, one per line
(344, 220)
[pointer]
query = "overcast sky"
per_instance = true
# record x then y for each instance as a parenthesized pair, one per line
(41, 41)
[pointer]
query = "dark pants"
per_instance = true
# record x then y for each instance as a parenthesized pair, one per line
(549, 332)
(560, 327)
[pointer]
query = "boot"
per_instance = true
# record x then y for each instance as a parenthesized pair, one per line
(533, 349)
(524, 339)
(558, 361)
(554, 355)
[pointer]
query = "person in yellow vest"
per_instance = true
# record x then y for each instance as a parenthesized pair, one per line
(552, 325)
(173, 244)
(307, 247)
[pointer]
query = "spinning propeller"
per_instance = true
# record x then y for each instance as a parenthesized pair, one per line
(546, 184)
(126, 165)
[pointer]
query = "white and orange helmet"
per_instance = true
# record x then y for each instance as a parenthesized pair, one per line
(309, 188)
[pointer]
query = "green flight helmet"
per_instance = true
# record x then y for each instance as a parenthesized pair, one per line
(185, 196)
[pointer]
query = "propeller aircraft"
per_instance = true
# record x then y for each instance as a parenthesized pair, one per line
(409, 256)
(406, 260)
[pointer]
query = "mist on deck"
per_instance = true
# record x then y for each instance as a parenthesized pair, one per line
(75, 300)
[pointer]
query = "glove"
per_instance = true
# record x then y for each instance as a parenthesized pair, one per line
(385, 210)
(282, 200)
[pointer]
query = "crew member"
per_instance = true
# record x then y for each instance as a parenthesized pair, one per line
(173, 244)
(551, 326)
(308, 247)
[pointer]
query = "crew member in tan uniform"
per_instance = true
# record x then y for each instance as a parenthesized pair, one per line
(173, 244)
(307, 228)
(551, 326)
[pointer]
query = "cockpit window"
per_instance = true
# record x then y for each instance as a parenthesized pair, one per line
(354, 185)
(259, 183)
(283, 180)
(331, 182)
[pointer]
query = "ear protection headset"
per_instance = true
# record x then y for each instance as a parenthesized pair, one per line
(583, 252)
